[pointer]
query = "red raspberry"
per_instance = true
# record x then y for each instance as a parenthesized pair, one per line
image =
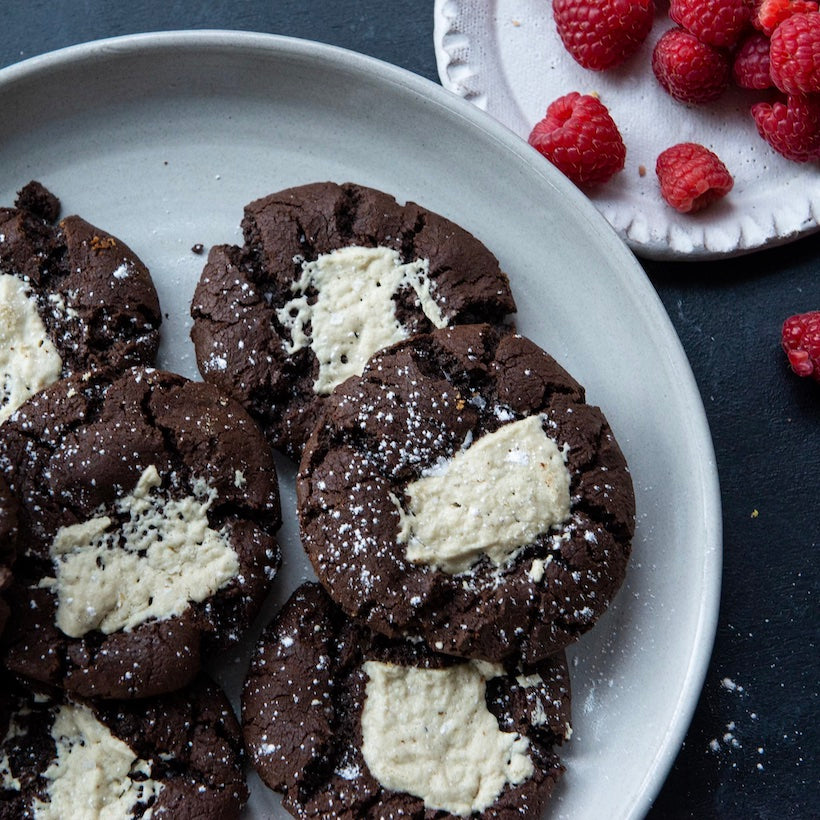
(691, 71)
(579, 137)
(801, 341)
(793, 129)
(600, 34)
(716, 22)
(795, 54)
(769, 14)
(692, 177)
(750, 68)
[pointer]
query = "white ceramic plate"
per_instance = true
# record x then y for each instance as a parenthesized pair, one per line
(505, 56)
(161, 139)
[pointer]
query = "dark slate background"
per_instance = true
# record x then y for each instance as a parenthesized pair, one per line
(752, 750)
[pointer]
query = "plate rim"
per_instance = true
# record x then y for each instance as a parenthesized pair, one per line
(633, 278)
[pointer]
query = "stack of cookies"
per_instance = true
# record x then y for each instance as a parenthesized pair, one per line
(466, 513)
(138, 513)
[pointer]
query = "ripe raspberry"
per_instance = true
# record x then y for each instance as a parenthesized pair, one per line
(579, 137)
(600, 34)
(795, 54)
(793, 129)
(801, 340)
(692, 177)
(769, 14)
(716, 22)
(750, 68)
(689, 70)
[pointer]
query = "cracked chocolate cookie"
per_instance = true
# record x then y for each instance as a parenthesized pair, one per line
(461, 490)
(350, 724)
(328, 275)
(177, 755)
(72, 298)
(8, 546)
(148, 507)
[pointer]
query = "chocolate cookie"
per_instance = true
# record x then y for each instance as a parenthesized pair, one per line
(8, 546)
(349, 724)
(72, 298)
(148, 507)
(328, 275)
(462, 491)
(177, 755)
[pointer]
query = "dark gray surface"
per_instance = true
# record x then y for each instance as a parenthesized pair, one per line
(752, 749)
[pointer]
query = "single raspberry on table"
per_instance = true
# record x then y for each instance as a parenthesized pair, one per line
(716, 22)
(767, 15)
(689, 70)
(692, 177)
(800, 339)
(793, 128)
(794, 54)
(580, 138)
(601, 34)
(750, 68)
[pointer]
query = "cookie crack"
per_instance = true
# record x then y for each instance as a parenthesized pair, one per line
(347, 211)
(408, 247)
(169, 441)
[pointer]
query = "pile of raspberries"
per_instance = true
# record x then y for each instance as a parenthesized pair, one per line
(765, 45)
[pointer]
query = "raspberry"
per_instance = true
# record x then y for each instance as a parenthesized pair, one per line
(793, 129)
(769, 14)
(716, 22)
(750, 68)
(579, 137)
(800, 339)
(794, 54)
(691, 177)
(689, 70)
(600, 34)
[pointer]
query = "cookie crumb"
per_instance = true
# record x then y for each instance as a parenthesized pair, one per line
(641, 170)
(99, 243)
(755, 513)
(198, 248)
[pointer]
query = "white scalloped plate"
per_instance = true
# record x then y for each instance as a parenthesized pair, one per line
(161, 139)
(505, 57)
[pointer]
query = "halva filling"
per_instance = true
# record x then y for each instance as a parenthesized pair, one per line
(95, 776)
(428, 732)
(353, 314)
(162, 556)
(490, 499)
(28, 359)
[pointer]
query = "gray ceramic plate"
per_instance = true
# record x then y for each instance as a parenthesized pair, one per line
(161, 139)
